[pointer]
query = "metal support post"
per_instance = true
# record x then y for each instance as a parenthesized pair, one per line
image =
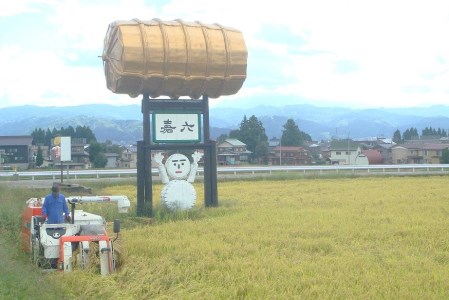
(210, 160)
(148, 207)
(62, 173)
(213, 175)
(207, 177)
(140, 179)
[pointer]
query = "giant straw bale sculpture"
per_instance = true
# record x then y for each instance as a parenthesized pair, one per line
(174, 59)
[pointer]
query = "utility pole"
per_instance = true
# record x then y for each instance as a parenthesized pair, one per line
(280, 151)
(349, 153)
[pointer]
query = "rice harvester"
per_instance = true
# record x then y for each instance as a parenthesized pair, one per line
(69, 245)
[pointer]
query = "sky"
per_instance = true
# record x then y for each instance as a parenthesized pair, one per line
(359, 54)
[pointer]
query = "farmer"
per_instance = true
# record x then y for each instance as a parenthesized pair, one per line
(55, 206)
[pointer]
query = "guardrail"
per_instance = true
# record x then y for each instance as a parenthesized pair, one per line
(306, 170)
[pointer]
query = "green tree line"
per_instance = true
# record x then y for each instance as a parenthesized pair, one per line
(412, 134)
(44, 137)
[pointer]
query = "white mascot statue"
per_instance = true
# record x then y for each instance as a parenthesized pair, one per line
(177, 175)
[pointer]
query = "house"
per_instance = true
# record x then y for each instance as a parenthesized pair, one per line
(385, 152)
(290, 155)
(45, 155)
(129, 158)
(319, 152)
(80, 157)
(273, 143)
(232, 152)
(418, 153)
(374, 156)
(346, 152)
(112, 160)
(400, 155)
(15, 151)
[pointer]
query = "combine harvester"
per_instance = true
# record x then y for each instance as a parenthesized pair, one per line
(69, 245)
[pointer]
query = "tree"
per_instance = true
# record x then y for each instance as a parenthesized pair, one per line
(39, 157)
(70, 131)
(252, 133)
(96, 155)
(48, 137)
(410, 134)
(108, 146)
(430, 132)
(305, 136)
(397, 138)
(444, 156)
(85, 132)
(38, 135)
(262, 151)
(222, 138)
(41, 137)
(291, 135)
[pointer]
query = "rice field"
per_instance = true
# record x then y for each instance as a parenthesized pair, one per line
(343, 238)
(324, 238)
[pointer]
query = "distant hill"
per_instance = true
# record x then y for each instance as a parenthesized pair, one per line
(122, 124)
(326, 122)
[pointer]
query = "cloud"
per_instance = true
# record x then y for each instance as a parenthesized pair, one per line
(84, 23)
(41, 78)
(348, 52)
(13, 8)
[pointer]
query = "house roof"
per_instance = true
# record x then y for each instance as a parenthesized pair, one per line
(429, 146)
(233, 153)
(374, 156)
(273, 143)
(84, 153)
(344, 145)
(130, 148)
(288, 148)
(385, 146)
(232, 142)
(112, 154)
(17, 140)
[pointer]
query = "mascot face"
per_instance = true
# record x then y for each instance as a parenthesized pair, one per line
(178, 166)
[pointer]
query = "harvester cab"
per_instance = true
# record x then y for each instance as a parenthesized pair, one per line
(81, 243)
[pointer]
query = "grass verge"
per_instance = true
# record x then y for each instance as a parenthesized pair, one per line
(20, 279)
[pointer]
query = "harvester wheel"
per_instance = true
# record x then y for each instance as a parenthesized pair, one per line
(34, 250)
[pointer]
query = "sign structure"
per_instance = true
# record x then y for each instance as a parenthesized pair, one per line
(62, 150)
(173, 125)
(176, 127)
(66, 148)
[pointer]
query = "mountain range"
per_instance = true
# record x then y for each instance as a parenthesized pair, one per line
(122, 124)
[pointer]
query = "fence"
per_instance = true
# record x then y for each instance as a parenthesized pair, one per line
(252, 170)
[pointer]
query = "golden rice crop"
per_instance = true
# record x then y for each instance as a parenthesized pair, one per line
(310, 238)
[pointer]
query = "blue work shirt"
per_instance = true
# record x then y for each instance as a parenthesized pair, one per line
(54, 207)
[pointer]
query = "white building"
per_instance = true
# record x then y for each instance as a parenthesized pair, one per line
(347, 152)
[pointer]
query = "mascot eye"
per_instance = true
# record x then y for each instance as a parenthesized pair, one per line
(174, 164)
(182, 163)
